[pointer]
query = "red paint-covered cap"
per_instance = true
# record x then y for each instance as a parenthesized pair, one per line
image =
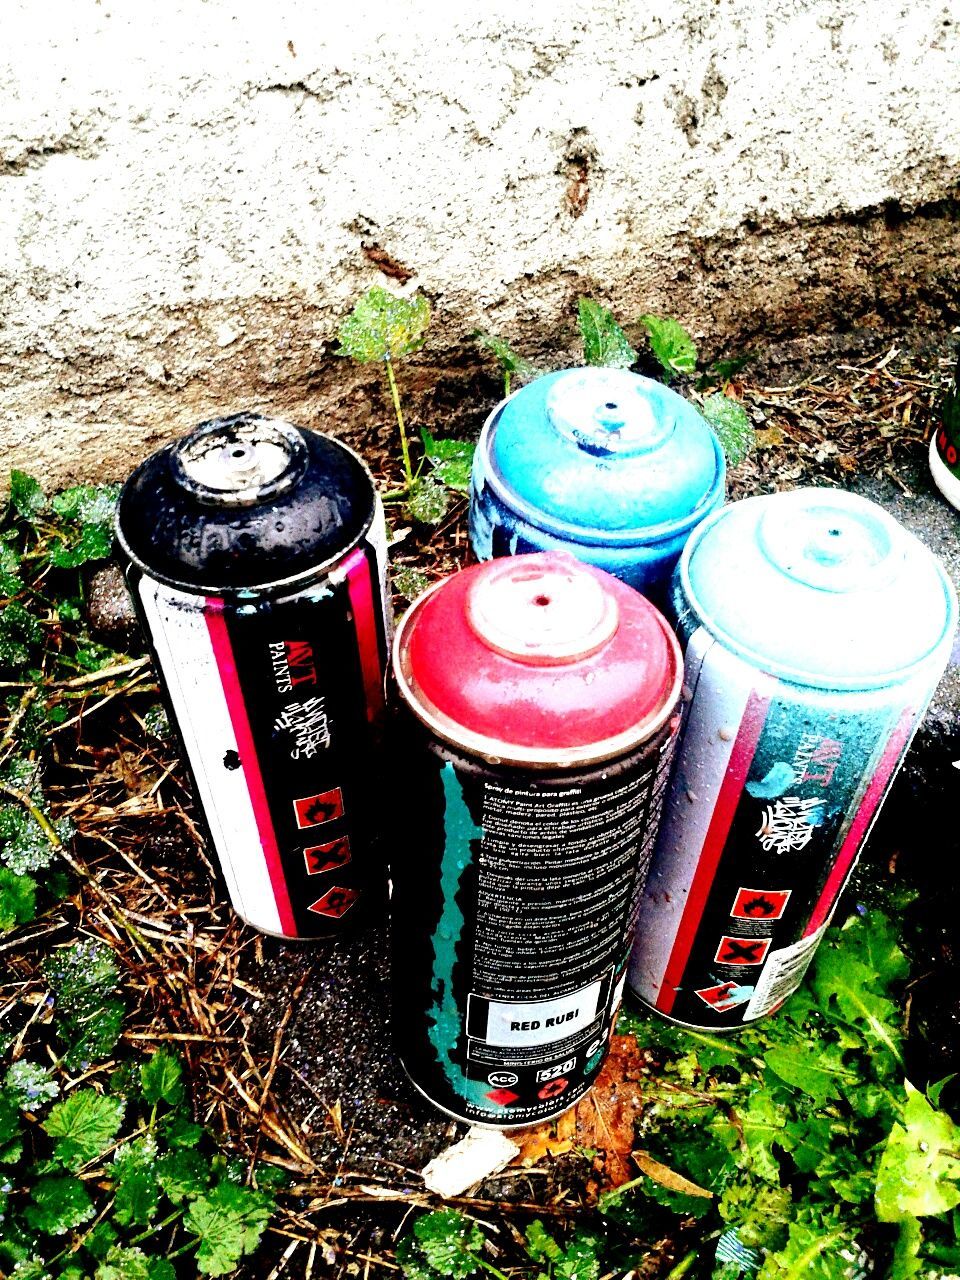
(539, 660)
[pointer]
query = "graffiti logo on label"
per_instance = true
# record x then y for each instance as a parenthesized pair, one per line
(789, 823)
(307, 727)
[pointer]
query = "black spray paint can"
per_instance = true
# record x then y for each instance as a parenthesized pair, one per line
(540, 717)
(257, 561)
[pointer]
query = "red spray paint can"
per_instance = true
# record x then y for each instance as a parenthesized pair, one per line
(539, 723)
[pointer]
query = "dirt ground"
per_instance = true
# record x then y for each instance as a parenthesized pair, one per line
(287, 1046)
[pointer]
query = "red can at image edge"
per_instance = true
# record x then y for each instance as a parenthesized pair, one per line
(532, 758)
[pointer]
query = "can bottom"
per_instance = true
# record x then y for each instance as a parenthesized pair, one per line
(691, 1026)
(347, 931)
(489, 1124)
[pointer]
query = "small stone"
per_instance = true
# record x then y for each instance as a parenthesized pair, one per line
(110, 612)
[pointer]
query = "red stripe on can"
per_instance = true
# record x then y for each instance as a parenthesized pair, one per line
(364, 605)
(864, 816)
(227, 668)
(741, 757)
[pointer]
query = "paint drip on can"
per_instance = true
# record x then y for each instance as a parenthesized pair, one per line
(612, 467)
(815, 630)
(533, 758)
(256, 558)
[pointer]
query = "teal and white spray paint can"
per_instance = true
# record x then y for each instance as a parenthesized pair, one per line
(815, 630)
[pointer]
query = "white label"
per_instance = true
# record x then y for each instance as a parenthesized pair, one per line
(185, 654)
(781, 975)
(517, 1024)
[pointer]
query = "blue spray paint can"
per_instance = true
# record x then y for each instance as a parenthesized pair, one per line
(612, 467)
(815, 630)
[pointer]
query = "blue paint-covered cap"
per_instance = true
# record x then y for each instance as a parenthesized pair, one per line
(603, 456)
(818, 586)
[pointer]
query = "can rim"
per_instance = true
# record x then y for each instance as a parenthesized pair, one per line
(801, 675)
(496, 752)
(273, 586)
(644, 535)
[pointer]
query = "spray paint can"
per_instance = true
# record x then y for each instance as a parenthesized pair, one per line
(256, 558)
(540, 720)
(945, 444)
(612, 467)
(815, 630)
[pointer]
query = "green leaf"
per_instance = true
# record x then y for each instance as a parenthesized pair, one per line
(180, 1131)
(510, 361)
(919, 1167)
(183, 1174)
(161, 1076)
(604, 342)
(724, 370)
(757, 1211)
(671, 344)
(26, 495)
(88, 504)
(82, 977)
(57, 1205)
(906, 1260)
(409, 582)
(935, 1090)
(95, 542)
(541, 1246)
(450, 1243)
(136, 1189)
(731, 425)
(84, 1124)
(810, 1140)
(228, 1222)
(384, 327)
(10, 580)
(762, 1121)
(844, 986)
(815, 1070)
(18, 899)
(101, 1240)
(451, 460)
(581, 1258)
(812, 1252)
(124, 1264)
(429, 501)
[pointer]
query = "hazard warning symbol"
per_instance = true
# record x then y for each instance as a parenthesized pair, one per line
(336, 902)
(502, 1097)
(724, 996)
(327, 857)
(760, 904)
(325, 807)
(553, 1089)
(742, 950)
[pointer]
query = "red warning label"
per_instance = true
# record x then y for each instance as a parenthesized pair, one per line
(742, 950)
(502, 1097)
(336, 902)
(327, 857)
(760, 904)
(311, 811)
(724, 996)
(553, 1089)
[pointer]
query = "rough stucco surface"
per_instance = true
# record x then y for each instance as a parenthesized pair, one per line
(192, 194)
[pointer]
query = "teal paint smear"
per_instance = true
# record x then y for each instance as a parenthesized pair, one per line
(459, 829)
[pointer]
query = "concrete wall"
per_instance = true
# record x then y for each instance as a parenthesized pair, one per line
(192, 192)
